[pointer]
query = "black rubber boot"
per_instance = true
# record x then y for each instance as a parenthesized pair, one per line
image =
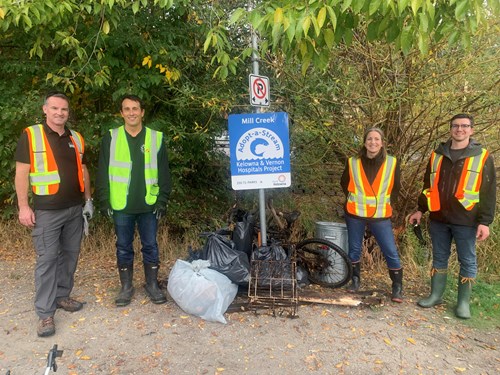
(356, 277)
(397, 285)
(152, 288)
(127, 291)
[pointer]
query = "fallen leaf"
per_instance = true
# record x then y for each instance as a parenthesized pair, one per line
(411, 341)
(85, 357)
(184, 317)
(387, 341)
(460, 369)
(78, 352)
(290, 346)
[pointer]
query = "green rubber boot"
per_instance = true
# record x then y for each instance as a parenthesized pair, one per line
(463, 301)
(438, 285)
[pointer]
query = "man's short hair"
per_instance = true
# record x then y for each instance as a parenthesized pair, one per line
(55, 94)
(134, 98)
(463, 115)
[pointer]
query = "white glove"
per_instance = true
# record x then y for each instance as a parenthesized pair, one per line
(85, 225)
(88, 209)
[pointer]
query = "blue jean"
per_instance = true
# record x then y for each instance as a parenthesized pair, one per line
(382, 231)
(465, 240)
(147, 225)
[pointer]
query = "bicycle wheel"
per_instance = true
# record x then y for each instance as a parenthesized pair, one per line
(326, 263)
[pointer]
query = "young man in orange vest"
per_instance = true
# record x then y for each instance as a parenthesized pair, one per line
(460, 193)
(50, 158)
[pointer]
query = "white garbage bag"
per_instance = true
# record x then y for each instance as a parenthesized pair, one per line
(201, 291)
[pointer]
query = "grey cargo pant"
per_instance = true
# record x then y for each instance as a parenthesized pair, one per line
(57, 236)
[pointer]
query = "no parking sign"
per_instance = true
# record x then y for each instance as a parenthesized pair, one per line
(259, 91)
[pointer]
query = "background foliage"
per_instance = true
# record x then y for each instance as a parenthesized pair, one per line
(336, 66)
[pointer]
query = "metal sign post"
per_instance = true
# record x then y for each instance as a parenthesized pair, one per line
(262, 194)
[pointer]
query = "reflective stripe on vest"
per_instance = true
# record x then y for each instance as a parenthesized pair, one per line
(468, 187)
(366, 200)
(120, 167)
(44, 175)
(432, 193)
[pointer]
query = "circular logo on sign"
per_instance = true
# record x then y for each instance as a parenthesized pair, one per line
(259, 143)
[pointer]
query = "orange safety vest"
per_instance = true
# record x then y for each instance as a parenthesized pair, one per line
(468, 187)
(44, 175)
(373, 201)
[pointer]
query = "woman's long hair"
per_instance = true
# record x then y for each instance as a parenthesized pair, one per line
(383, 152)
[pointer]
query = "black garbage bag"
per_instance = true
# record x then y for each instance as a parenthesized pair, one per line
(272, 267)
(243, 231)
(224, 258)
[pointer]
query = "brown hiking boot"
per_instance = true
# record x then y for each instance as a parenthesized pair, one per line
(46, 327)
(69, 304)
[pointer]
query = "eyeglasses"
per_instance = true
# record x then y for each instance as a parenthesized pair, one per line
(461, 126)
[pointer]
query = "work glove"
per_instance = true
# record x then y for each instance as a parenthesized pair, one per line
(88, 209)
(160, 210)
(106, 210)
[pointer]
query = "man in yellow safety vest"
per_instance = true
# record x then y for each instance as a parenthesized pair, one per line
(460, 193)
(132, 187)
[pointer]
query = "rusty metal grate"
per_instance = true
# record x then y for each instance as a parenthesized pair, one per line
(273, 286)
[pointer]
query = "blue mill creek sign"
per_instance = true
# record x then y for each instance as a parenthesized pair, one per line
(259, 150)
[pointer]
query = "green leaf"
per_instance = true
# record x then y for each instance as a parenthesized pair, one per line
(423, 43)
(236, 15)
(415, 6)
(374, 5)
(321, 17)
(348, 34)
(461, 9)
(329, 37)
(372, 32)
(402, 4)
(346, 4)
(317, 29)
(135, 7)
(406, 40)
(333, 17)
(357, 5)
(290, 30)
(424, 22)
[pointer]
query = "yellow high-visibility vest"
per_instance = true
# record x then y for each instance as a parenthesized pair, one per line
(120, 167)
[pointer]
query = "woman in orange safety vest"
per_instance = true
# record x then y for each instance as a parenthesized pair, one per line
(371, 182)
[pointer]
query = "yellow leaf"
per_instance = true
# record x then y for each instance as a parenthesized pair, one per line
(220, 369)
(278, 15)
(411, 340)
(78, 352)
(290, 346)
(146, 60)
(387, 341)
(81, 319)
(2, 13)
(105, 27)
(378, 361)
(85, 357)
(460, 369)
(184, 317)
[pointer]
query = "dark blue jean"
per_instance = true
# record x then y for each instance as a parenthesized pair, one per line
(125, 229)
(381, 230)
(465, 240)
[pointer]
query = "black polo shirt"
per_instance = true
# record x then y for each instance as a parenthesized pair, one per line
(69, 194)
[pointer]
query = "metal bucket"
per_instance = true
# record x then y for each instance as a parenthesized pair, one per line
(333, 232)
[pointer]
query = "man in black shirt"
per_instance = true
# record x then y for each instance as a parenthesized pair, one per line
(132, 186)
(50, 157)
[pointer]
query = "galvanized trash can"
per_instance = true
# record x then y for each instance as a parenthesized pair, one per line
(333, 232)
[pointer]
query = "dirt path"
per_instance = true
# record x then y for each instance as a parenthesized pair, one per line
(148, 339)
